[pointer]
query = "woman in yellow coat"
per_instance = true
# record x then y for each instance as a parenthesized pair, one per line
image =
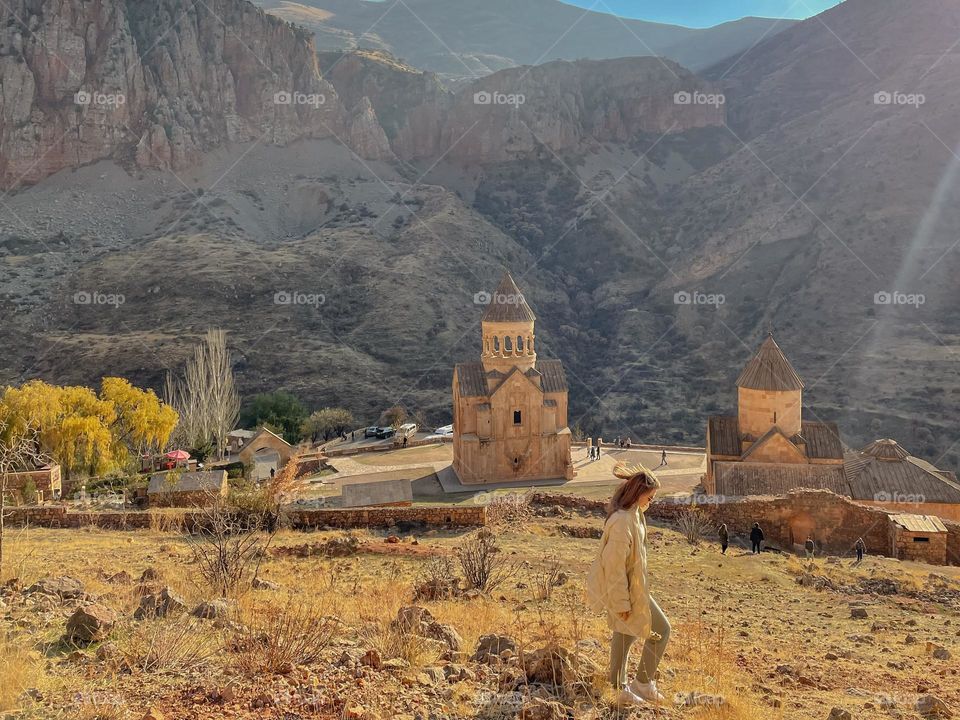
(618, 585)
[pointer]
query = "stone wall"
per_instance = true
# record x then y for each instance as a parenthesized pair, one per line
(835, 522)
(920, 547)
(57, 516)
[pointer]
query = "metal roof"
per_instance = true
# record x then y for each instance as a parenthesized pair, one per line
(919, 523)
(769, 370)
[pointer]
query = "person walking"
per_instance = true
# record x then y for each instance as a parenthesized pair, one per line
(599, 443)
(724, 538)
(810, 547)
(663, 458)
(756, 538)
(861, 547)
(618, 584)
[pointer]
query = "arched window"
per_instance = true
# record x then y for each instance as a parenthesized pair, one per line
(507, 345)
(496, 344)
(519, 344)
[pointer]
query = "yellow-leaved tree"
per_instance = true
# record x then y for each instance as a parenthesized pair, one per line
(143, 423)
(86, 433)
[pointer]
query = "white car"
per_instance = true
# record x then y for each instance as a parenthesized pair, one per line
(445, 430)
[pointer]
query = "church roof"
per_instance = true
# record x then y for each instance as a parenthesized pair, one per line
(822, 439)
(769, 370)
(471, 379)
(554, 379)
(885, 476)
(886, 450)
(507, 304)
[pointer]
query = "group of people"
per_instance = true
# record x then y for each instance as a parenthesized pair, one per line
(618, 584)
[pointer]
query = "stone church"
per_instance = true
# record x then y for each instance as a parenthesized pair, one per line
(510, 409)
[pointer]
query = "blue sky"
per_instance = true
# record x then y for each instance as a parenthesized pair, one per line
(703, 13)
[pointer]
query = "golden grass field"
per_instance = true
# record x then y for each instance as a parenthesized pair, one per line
(736, 620)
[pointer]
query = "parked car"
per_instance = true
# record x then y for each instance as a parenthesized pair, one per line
(385, 432)
(445, 430)
(371, 431)
(408, 430)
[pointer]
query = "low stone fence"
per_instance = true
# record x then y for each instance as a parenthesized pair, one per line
(373, 517)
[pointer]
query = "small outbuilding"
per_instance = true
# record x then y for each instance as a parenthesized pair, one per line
(264, 441)
(188, 489)
(922, 538)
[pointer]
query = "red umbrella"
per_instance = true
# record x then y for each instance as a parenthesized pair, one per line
(178, 455)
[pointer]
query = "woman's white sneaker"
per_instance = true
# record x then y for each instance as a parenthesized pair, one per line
(646, 691)
(626, 697)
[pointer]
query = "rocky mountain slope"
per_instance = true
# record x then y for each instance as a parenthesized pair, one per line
(472, 38)
(819, 199)
(511, 113)
(156, 84)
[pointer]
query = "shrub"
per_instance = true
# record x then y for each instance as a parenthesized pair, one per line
(276, 637)
(17, 672)
(483, 563)
(168, 646)
(694, 524)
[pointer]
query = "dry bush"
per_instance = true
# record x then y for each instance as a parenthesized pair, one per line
(546, 578)
(168, 646)
(228, 547)
(437, 580)
(485, 566)
(276, 637)
(18, 670)
(96, 707)
(694, 524)
(391, 641)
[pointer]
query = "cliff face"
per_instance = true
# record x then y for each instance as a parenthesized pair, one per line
(511, 113)
(156, 83)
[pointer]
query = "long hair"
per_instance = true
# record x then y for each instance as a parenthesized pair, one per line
(637, 481)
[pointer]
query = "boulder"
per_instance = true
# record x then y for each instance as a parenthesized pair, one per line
(932, 706)
(161, 604)
(838, 713)
(261, 584)
(65, 588)
(490, 647)
(540, 709)
(417, 620)
(211, 610)
(90, 624)
(859, 613)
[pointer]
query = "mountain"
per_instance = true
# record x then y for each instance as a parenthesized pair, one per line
(471, 38)
(512, 113)
(155, 84)
(658, 221)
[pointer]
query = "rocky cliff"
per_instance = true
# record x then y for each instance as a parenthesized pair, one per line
(511, 113)
(157, 84)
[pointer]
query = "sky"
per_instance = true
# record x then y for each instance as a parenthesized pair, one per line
(704, 13)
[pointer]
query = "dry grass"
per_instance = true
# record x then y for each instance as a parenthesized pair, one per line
(168, 645)
(19, 670)
(708, 598)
